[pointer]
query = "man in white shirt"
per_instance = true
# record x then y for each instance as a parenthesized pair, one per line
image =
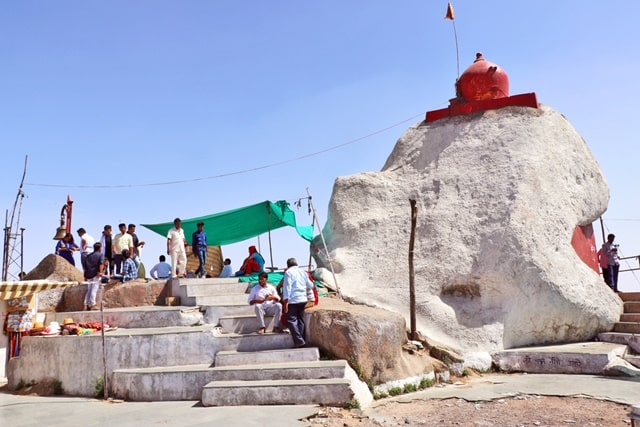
(177, 249)
(86, 246)
(295, 289)
(265, 300)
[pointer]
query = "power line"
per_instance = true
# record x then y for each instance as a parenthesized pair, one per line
(240, 172)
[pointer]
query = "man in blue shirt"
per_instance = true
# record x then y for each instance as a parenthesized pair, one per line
(199, 248)
(129, 268)
(161, 270)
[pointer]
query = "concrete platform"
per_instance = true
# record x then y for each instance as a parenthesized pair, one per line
(30, 411)
(578, 358)
(135, 317)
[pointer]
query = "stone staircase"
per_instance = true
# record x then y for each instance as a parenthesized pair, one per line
(247, 368)
(627, 330)
(605, 356)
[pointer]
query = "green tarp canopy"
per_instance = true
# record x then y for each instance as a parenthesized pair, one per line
(240, 224)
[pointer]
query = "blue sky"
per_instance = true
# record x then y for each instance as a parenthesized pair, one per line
(110, 100)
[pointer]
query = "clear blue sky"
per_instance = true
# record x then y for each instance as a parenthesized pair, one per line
(110, 99)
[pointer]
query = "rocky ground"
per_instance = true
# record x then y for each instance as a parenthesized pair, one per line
(522, 410)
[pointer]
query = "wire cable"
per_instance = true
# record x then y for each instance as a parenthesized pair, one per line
(240, 172)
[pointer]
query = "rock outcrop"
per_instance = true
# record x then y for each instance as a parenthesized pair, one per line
(57, 269)
(370, 339)
(499, 194)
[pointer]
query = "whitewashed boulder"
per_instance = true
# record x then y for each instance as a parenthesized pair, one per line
(499, 194)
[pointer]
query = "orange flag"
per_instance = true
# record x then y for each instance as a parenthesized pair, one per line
(450, 14)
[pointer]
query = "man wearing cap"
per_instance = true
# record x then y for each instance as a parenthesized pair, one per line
(199, 248)
(94, 268)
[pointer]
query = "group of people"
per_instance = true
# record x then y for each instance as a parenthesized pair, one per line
(177, 251)
(116, 257)
(297, 289)
(610, 262)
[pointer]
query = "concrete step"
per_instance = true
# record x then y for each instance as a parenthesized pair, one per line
(161, 383)
(222, 299)
(213, 313)
(236, 358)
(186, 382)
(630, 317)
(135, 317)
(631, 340)
(180, 286)
(197, 290)
(245, 324)
(253, 342)
(632, 306)
(627, 327)
(579, 358)
(329, 391)
(316, 369)
(634, 359)
(629, 296)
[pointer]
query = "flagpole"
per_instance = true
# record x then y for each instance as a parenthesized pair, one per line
(451, 15)
(455, 34)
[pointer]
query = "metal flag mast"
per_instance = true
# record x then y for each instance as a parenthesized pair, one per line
(14, 254)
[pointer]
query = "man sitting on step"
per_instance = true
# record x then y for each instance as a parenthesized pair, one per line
(265, 300)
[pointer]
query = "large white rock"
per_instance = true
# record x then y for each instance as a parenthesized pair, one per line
(499, 194)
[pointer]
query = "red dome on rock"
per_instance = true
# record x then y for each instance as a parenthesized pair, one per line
(483, 80)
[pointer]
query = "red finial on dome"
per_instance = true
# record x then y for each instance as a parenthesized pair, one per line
(483, 80)
(482, 86)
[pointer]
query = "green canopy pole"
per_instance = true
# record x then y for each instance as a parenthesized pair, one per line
(269, 233)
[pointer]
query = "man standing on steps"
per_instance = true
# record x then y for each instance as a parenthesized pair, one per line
(199, 248)
(94, 268)
(120, 242)
(611, 251)
(86, 246)
(265, 300)
(177, 249)
(295, 284)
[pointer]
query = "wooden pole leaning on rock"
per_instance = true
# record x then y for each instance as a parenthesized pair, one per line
(412, 290)
(324, 243)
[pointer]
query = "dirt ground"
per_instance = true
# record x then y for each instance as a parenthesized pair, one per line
(522, 410)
